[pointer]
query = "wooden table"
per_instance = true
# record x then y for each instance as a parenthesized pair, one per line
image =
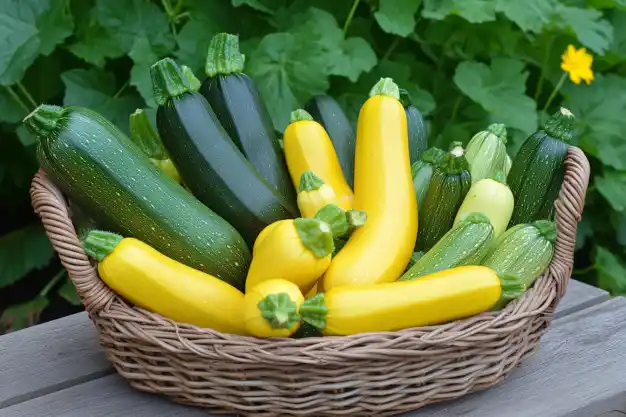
(58, 369)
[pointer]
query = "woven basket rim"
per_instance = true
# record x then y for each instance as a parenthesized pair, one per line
(102, 303)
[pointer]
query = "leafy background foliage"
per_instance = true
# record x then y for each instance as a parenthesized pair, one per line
(465, 63)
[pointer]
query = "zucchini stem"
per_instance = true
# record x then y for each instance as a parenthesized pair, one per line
(168, 81)
(386, 87)
(560, 125)
(99, 244)
(194, 83)
(314, 311)
(499, 130)
(43, 120)
(299, 116)
(315, 235)
(224, 57)
(309, 182)
(279, 310)
(144, 135)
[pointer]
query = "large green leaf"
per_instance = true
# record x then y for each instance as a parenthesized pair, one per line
(22, 251)
(529, 15)
(143, 56)
(474, 11)
(501, 90)
(397, 16)
(22, 315)
(92, 41)
(588, 25)
(97, 90)
(68, 292)
(611, 271)
(612, 186)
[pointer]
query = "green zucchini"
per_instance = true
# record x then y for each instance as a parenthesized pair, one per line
(416, 126)
(148, 140)
(213, 168)
(108, 176)
(520, 256)
(486, 153)
(537, 171)
(422, 171)
(465, 244)
(448, 187)
(327, 112)
(239, 108)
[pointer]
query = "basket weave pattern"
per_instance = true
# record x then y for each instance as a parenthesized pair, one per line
(372, 374)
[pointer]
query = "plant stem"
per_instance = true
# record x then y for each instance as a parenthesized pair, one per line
(121, 90)
(556, 90)
(391, 48)
(52, 283)
(168, 7)
(27, 95)
(350, 16)
(542, 74)
(455, 108)
(17, 99)
(584, 270)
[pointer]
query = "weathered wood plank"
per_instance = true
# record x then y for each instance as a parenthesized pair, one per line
(579, 371)
(104, 397)
(580, 296)
(49, 357)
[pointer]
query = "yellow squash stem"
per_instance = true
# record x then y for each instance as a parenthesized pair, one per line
(380, 250)
(297, 250)
(152, 281)
(308, 147)
(271, 308)
(441, 297)
(313, 194)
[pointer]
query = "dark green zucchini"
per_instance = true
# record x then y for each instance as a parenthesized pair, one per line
(213, 168)
(416, 126)
(327, 112)
(448, 186)
(239, 108)
(422, 171)
(106, 174)
(537, 171)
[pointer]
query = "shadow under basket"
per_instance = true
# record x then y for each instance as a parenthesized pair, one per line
(370, 374)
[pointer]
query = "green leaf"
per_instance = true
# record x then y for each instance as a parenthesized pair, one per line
(474, 11)
(22, 315)
(22, 251)
(355, 57)
(588, 26)
(68, 292)
(500, 90)
(397, 16)
(599, 110)
(93, 43)
(192, 49)
(130, 19)
(529, 15)
(96, 90)
(611, 271)
(287, 71)
(612, 186)
(10, 111)
(265, 6)
(143, 56)
(55, 25)
(26, 137)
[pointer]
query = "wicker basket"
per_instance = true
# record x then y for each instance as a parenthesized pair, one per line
(372, 374)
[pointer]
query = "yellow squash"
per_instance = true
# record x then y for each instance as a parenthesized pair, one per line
(264, 233)
(308, 147)
(313, 194)
(380, 250)
(298, 250)
(441, 297)
(271, 308)
(152, 281)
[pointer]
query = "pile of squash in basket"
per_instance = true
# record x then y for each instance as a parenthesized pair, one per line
(215, 222)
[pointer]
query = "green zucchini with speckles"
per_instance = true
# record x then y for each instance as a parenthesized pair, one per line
(105, 173)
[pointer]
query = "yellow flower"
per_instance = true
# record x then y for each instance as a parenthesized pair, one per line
(577, 62)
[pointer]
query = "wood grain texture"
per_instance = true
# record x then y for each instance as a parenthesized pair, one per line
(107, 396)
(580, 296)
(49, 357)
(579, 371)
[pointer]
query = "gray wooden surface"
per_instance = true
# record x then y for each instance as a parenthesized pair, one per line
(57, 369)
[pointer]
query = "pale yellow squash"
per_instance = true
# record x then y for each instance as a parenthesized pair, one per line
(271, 308)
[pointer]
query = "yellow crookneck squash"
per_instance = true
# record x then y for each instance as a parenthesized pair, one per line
(313, 194)
(297, 250)
(152, 281)
(308, 147)
(380, 250)
(271, 308)
(437, 298)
